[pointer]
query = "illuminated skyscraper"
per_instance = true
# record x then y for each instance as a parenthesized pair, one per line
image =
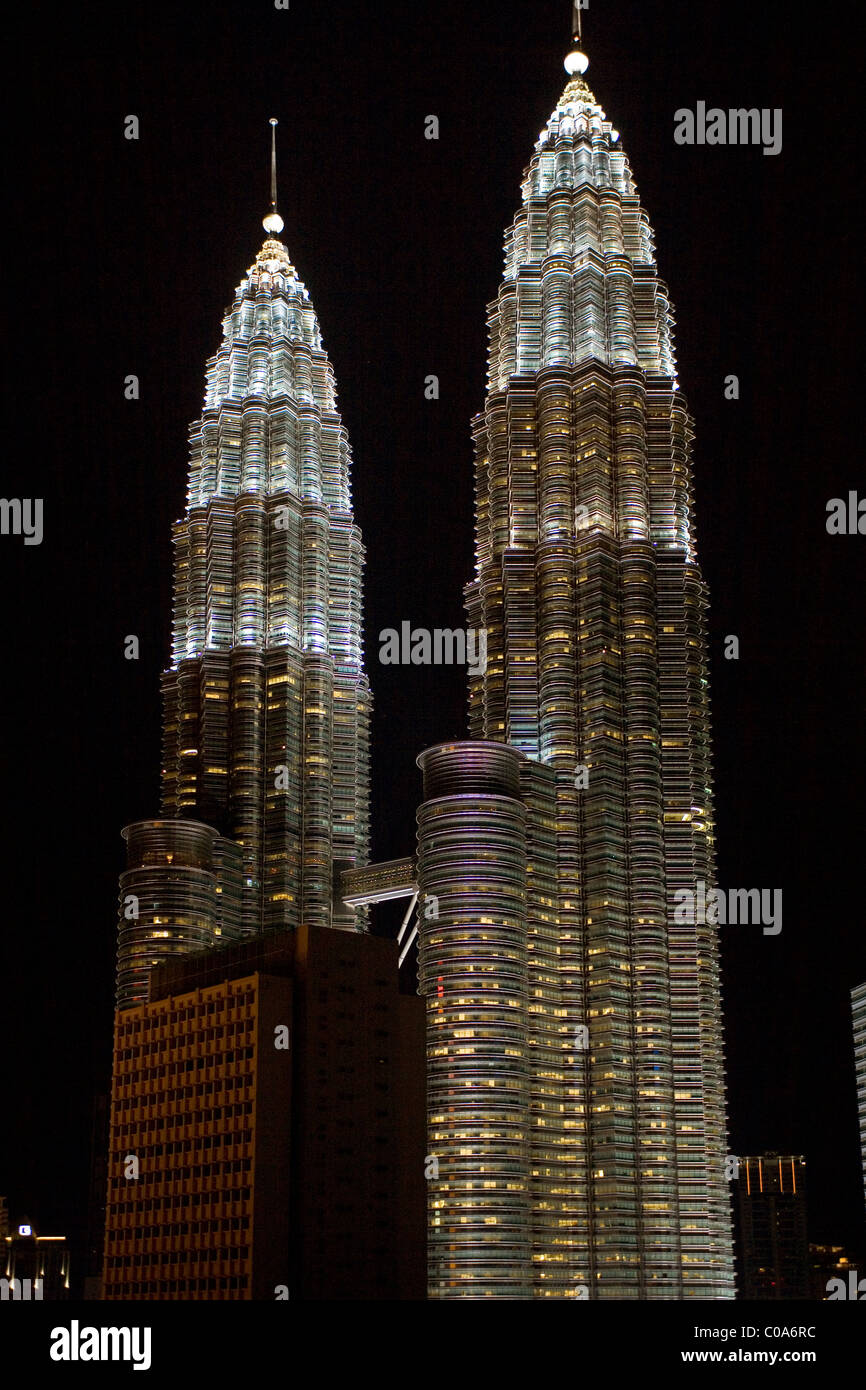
(556, 974)
(265, 775)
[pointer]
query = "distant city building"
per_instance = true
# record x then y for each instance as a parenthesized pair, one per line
(36, 1268)
(267, 1126)
(775, 1260)
(858, 1009)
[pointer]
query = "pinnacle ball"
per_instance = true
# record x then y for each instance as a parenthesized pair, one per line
(576, 62)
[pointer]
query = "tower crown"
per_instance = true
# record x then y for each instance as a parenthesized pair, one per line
(580, 276)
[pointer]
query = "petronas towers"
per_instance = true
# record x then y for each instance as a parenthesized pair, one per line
(265, 773)
(266, 702)
(576, 1100)
(588, 586)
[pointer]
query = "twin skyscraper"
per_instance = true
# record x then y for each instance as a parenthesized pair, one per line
(576, 1130)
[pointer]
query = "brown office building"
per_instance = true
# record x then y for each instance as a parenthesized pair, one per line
(267, 1126)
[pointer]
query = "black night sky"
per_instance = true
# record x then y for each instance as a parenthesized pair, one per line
(126, 256)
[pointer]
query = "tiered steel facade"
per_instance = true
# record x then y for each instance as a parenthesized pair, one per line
(267, 706)
(267, 664)
(588, 585)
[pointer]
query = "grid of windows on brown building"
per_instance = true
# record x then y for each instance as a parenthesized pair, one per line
(267, 1126)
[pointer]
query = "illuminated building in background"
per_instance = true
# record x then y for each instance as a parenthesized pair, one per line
(266, 703)
(775, 1262)
(267, 1126)
(858, 1010)
(35, 1268)
(560, 987)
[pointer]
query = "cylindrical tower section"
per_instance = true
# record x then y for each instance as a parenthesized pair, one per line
(168, 900)
(472, 862)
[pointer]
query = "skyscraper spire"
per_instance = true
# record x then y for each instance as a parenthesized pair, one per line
(577, 24)
(273, 223)
(576, 62)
